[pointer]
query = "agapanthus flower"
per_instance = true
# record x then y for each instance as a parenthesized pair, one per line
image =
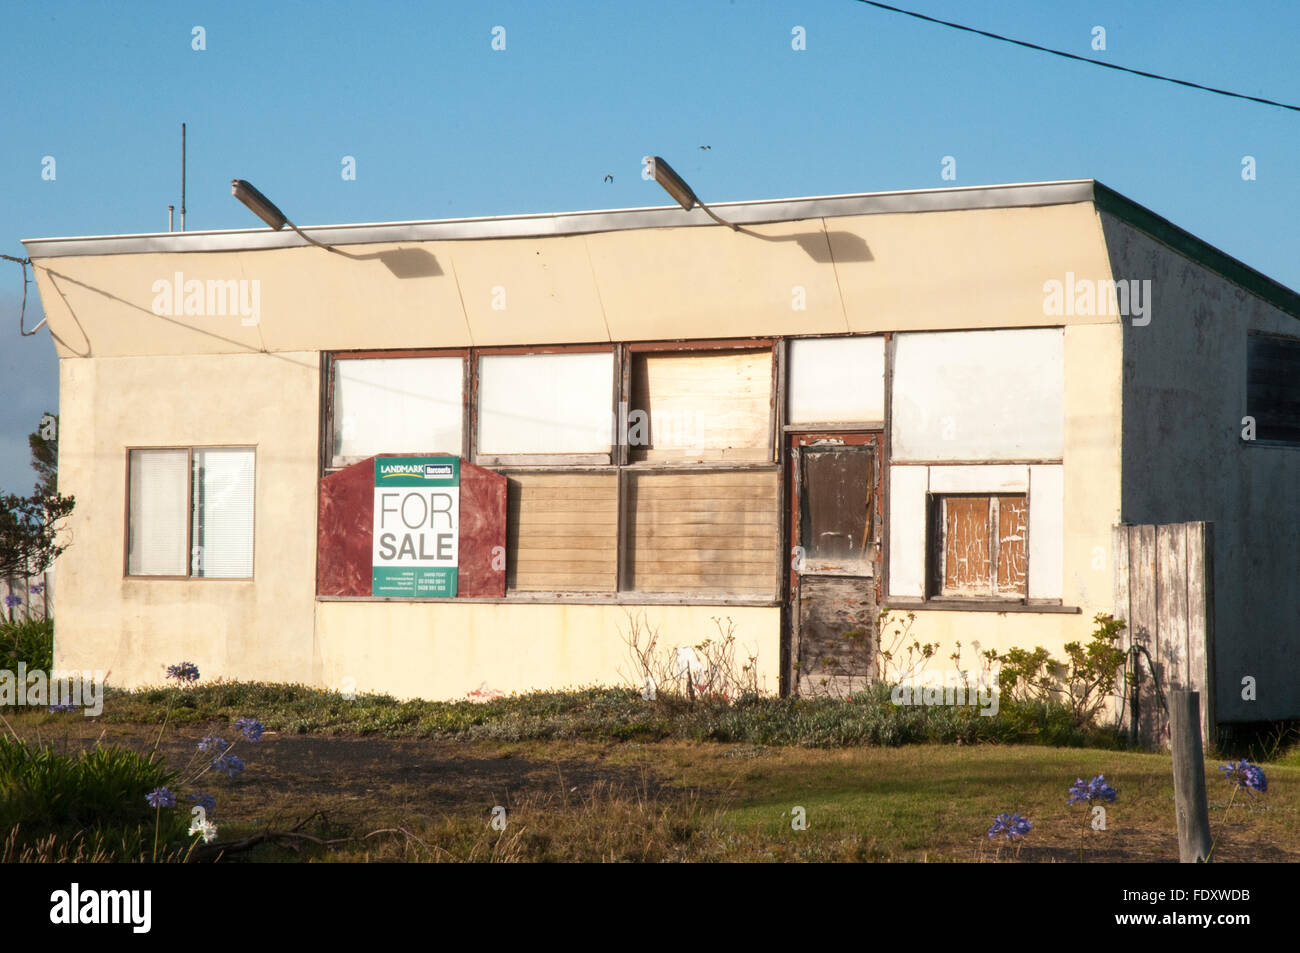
(229, 764)
(1011, 826)
(205, 801)
(184, 672)
(13, 601)
(212, 743)
(37, 589)
(1243, 774)
(60, 708)
(206, 828)
(1091, 791)
(160, 797)
(250, 728)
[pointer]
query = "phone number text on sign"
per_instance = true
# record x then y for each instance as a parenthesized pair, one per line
(416, 526)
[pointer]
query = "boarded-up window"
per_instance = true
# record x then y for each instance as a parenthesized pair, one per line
(1273, 387)
(397, 405)
(562, 532)
(979, 546)
(701, 406)
(703, 532)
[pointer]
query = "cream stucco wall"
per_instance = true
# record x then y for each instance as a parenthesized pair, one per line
(862, 274)
(447, 649)
(135, 627)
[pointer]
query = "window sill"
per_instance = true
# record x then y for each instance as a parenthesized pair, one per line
(569, 598)
(971, 605)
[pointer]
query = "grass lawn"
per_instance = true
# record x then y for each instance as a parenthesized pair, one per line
(365, 797)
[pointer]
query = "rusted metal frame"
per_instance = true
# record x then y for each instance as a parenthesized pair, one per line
(886, 461)
(325, 428)
(784, 543)
(834, 428)
(372, 354)
(471, 403)
(543, 459)
(525, 349)
(979, 463)
(959, 604)
(575, 597)
(717, 344)
(619, 459)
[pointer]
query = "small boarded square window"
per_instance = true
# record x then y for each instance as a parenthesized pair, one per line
(978, 546)
(1273, 388)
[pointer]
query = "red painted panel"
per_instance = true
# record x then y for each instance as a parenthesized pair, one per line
(346, 524)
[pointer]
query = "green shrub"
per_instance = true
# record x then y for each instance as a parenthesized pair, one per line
(96, 795)
(31, 642)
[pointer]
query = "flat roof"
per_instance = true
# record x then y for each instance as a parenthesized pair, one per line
(753, 212)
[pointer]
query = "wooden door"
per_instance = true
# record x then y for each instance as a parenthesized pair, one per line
(835, 520)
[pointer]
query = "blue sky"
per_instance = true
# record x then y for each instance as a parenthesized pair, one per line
(441, 125)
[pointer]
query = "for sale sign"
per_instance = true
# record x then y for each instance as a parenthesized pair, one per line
(416, 526)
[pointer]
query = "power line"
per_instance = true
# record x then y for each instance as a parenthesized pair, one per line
(1081, 59)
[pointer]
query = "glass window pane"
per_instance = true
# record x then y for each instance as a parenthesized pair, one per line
(397, 405)
(545, 403)
(222, 541)
(836, 491)
(157, 512)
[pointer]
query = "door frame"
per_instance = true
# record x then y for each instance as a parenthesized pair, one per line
(792, 442)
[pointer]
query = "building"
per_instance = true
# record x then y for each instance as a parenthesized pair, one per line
(940, 401)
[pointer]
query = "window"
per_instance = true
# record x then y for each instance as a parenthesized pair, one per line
(1273, 388)
(639, 468)
(397, 405)
(836, 380)
(190, 513)
(978, 546)
(700, 406)
(558, 404)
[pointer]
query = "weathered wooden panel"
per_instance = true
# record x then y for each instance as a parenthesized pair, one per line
(714, 405)
(679, 549)
(837, 633)
(966, 551)
(563, 532)
(1013, 532)
(1164, 591)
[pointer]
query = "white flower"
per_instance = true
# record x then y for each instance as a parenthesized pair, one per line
(206, 828)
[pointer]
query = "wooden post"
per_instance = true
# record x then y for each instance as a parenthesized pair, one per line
(1193, 813)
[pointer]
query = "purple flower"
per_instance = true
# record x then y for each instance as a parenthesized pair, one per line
(250, 728)
(213, 744)
(205, 801)
(1012, 826)
(1243, 774)
(229, 764)
(185, 672)
(13, 601)
(160, 797)
(36, 589)
(1095, 790)
(58, 708)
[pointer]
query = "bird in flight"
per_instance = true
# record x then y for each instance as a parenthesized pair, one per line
(609, 178)
(706, 147)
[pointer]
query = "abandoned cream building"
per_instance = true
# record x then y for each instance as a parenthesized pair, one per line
(942, 402)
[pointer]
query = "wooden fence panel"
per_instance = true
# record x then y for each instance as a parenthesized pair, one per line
(1164, 592)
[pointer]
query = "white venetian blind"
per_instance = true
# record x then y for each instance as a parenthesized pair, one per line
(397, 405)
(157, 512)
(222, 541)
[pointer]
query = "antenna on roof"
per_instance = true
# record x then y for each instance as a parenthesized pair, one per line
(182, 177)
